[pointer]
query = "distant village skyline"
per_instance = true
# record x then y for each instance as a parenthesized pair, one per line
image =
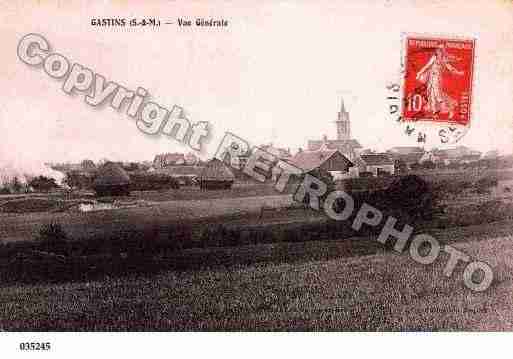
(257, 78)
(341, 140)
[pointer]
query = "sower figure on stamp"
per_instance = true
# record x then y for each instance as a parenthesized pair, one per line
(438, 101)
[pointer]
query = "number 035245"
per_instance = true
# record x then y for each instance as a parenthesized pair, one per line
(31, 346)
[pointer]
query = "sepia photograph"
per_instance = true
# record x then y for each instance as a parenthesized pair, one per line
(257, 166)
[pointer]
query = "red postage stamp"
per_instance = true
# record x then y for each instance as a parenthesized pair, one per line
(437, 82)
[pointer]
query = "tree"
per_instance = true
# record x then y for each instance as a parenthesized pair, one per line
(412, 195)
(75, 179)
(43, 184)
(16, 185)
(400, 166)
(53, 239)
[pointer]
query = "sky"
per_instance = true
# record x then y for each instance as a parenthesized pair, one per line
(276, 74)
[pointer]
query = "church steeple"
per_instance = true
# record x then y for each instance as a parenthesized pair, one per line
(343, 124)
(342, 106)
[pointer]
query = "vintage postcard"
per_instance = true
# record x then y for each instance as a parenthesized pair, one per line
(291, 166)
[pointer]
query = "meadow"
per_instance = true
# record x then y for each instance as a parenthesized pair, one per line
(221, 262)
(381, 291)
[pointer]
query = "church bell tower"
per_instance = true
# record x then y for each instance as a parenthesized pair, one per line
(343, 124)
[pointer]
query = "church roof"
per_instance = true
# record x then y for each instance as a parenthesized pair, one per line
(341, 145)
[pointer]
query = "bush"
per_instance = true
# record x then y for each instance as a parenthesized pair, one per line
(326, 178)
(43, 184)
(78, 180)
(53, 239)
(411, 194)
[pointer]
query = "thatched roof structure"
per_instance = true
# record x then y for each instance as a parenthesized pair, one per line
(216, 170)
(111, 174)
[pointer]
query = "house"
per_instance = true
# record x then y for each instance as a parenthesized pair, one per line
(409, 159)
(191, 159)
(168, 159)
(378, 164)
(453, 155)
(359, 166)
(409, 155)
(435, 156)
(216, 175)
(332, 161)
(112, 180)
(460, 151)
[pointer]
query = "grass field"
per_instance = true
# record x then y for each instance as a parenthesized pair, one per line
(23, 227)
(327, 281)
(382, 291)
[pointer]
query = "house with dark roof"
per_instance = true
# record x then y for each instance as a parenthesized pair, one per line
(332, 161)
(378, 164)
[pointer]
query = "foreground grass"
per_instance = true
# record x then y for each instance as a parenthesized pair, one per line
(383, 291)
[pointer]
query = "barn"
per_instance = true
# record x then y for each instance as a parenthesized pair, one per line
(112, 180)
(332, 161)
(216, 175)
